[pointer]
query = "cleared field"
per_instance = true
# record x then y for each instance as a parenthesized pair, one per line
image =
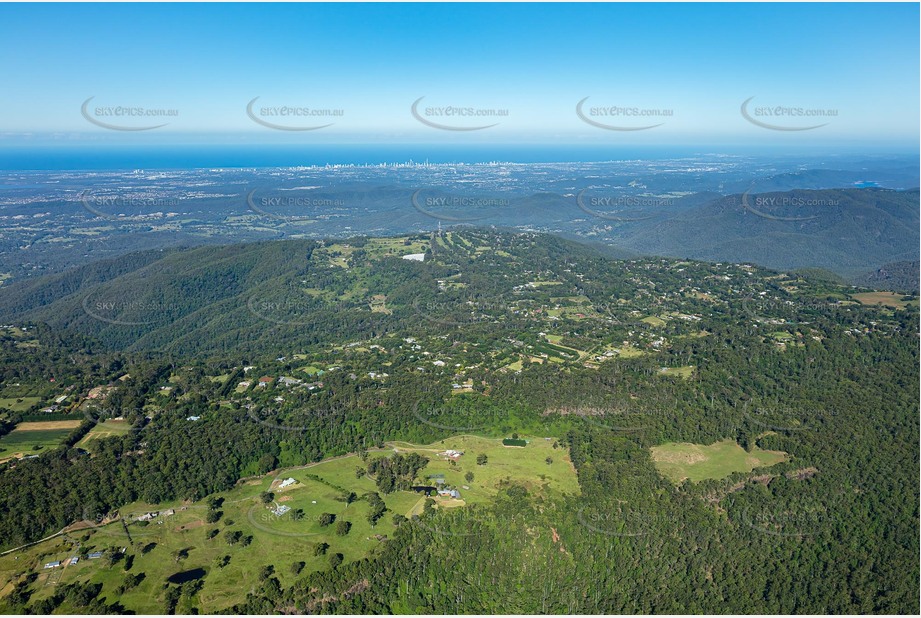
(378, 304)
(527, 466)
(682, 372)
(168, 545)
(626, 351)
(887, 299)
(106, 429)
(33, 438)
(44, 425)
(781, 335)
(18, 404)
(339, 253)
(400, 244)
(538, 284)
(697, 462)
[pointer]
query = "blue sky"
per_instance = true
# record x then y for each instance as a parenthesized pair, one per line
(372, 61)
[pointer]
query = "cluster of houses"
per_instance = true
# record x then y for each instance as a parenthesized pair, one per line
(97, 392)
(266, 381)
(440, 488)
(443, 492)
(75, 559)
(155, 514)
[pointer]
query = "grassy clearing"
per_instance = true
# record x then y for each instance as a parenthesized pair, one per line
(654, 321)
(276, 540)
(33, 438)
(577, 312)
(18, 404)
(106, 429)
(682, 372)
(526, 466)
(46, 425)
(393, 247)
(378, 304)
(553, 345)
(679, 461)
(782, 335)
(171, 544)
(887, 299)
(539, 284)
(628, 351)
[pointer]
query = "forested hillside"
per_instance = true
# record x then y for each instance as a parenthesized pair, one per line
(225, 363)
(846, 231)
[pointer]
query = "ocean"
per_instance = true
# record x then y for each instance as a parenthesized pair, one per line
(112, 157)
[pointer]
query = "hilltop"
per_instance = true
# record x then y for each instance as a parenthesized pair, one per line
(714, 416)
